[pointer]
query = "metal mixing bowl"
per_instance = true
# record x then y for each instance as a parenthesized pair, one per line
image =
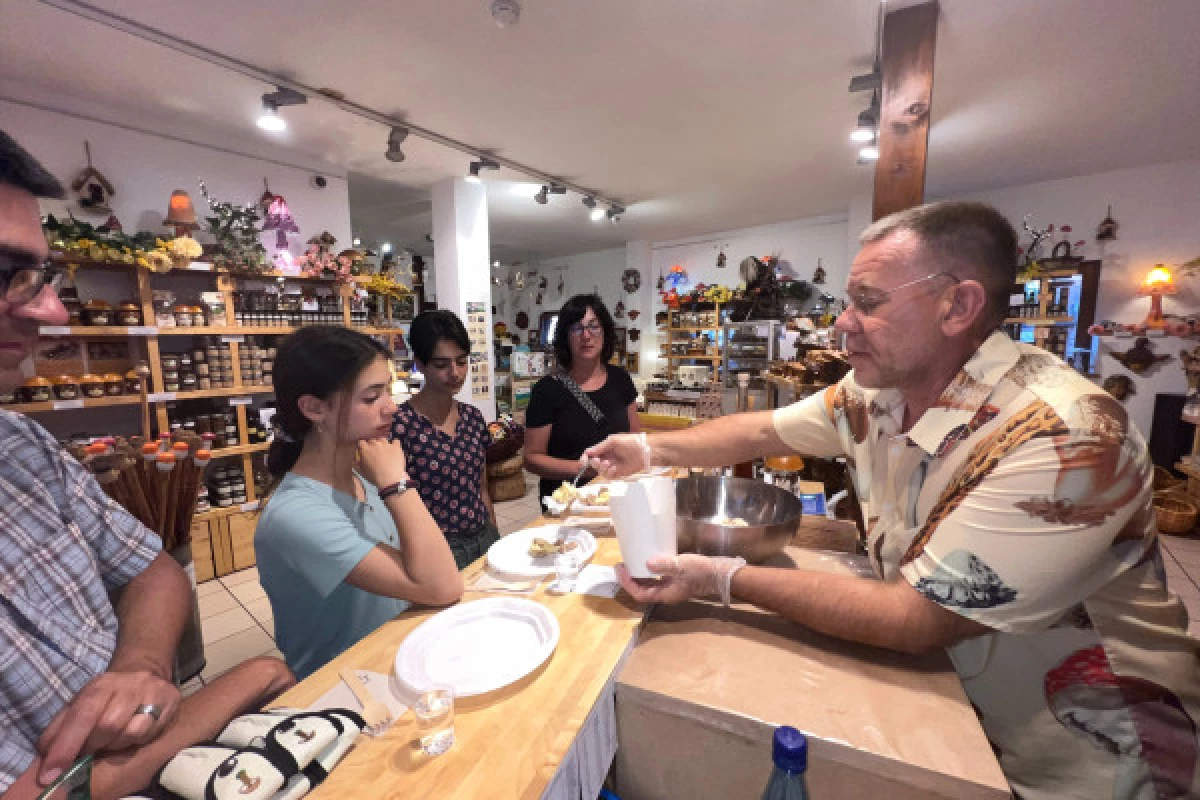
(772, 514)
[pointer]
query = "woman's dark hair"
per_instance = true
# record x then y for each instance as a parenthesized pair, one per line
(430, 327)
(572, 312)
(320, 360)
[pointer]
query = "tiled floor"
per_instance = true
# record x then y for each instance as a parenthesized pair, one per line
(237, 622)
(235, 616)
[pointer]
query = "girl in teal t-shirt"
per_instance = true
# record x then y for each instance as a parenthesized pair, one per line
(342, 544)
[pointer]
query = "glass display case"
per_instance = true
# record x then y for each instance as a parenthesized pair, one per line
(749, 347)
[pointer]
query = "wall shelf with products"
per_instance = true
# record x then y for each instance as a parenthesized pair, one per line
(229, 365)
(694, 338)
(1054, 309)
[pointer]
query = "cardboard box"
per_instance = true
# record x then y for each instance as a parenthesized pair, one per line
(701, 694)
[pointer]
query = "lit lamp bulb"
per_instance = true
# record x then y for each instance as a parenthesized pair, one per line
(270, 120)
(869, 153)
(862, 135)
(1158, 282)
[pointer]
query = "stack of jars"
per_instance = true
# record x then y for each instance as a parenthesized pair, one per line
(226, 485)
(222, 424)
(257, 362)
(218, 356)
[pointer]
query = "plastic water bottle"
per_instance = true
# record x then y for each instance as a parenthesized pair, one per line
(790, 754)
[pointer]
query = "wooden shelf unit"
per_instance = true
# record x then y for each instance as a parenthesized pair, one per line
(222, 537)
(682, 333)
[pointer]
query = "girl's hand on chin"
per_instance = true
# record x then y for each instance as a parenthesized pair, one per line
(381, 462)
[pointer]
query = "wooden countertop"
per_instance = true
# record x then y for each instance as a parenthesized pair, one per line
(508, 743)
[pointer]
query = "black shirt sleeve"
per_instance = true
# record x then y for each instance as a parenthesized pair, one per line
(544, 402)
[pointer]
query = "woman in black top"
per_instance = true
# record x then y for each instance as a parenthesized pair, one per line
(560, 425)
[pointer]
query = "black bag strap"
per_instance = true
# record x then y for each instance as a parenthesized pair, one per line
(581, 397)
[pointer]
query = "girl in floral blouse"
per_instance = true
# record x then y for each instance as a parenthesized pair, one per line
(444, 440)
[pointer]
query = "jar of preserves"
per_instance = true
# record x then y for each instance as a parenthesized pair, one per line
(65, 387)
(97, 312)
(114, 384)
(35, 390)
(92, 386)
(133, 382)
(129, 314)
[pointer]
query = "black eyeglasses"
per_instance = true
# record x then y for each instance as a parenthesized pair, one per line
(21, 283)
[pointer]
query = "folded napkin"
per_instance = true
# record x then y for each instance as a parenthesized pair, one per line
(382, 687)
(488, 582)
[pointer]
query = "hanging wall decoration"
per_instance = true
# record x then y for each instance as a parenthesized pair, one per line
(1119, 386)
(677, 277)
(631, 280)
(1106, 231)
(634, 334)
(721, 258)
(661, 283)
(522, 320)
(1139, 359)
(562, 284)
(634, 313)
(619, 310)
(94, 190)
(819, 273)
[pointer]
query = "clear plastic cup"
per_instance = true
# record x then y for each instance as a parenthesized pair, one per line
(434, 710)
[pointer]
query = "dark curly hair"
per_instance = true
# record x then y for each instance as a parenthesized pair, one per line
(572, 312)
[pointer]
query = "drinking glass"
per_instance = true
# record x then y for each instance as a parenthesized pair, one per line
(568, 565)
(434, 710)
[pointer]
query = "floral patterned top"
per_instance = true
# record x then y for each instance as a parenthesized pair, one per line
(1022, 500)
(447, 470)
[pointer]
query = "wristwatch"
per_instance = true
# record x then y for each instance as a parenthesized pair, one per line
(399, 487)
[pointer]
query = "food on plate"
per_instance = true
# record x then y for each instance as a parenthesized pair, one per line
(540, 548)
(731, 522)
(600, 498)
(564, 494)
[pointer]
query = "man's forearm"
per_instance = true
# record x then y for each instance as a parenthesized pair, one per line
(151, 612)
(889, 615)
(719, 442)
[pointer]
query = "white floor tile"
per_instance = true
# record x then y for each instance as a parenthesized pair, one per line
(215, 603)
(227, 623)
(245, 592)
(260, 609)
(227, 653)
(209, 587)
(240, 577)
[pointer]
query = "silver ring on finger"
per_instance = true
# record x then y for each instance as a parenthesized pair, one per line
(151, 709)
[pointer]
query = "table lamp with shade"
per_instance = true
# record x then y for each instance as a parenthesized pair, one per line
(181, 214)
(1158, 282)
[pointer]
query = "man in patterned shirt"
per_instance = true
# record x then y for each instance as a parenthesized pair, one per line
(1009, 519)
(81, 673)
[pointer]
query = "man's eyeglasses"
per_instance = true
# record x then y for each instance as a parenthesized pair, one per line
(593, 329)
(20, 283)
(866, 300)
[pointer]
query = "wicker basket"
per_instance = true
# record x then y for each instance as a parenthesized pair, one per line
(1175, 515)
(1164, 479)
(509, 466)
(507, 487)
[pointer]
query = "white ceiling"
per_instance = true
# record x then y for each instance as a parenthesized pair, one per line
(701, 115)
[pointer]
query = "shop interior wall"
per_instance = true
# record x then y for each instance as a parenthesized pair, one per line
(1157, 207)
(144, 168)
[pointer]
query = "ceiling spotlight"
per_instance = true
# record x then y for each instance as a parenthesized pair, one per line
(597, 212)
(477, 166)
(495, 263)
(868, 122)
(868, 153)
(385, 248)
(270, 120)
(543, 196)
(868, 82)
(357, 242)
(395, 140)
(614, 213)
(506, 12)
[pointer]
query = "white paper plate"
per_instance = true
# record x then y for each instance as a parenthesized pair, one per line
(578, 507)
(478, 647)
(511, 556)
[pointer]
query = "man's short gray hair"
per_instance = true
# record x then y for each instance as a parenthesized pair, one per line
(967, 239)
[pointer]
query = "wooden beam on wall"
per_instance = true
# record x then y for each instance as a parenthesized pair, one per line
(908, 45)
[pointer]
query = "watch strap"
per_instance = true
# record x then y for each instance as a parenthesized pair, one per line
(399, 487)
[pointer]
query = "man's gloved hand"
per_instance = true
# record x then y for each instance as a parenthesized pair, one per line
(683, 577)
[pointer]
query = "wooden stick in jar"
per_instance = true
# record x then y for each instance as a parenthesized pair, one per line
(191, 494)
(164, 463)
(179, 453)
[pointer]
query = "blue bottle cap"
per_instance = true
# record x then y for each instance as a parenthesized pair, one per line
(790, 750)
